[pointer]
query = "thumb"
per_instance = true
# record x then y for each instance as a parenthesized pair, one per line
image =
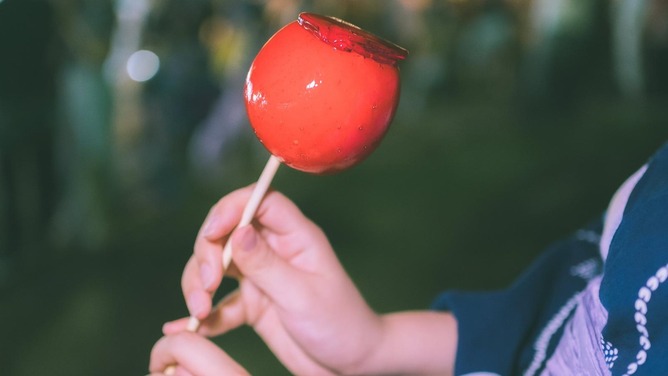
(260, 264)
(192, 353)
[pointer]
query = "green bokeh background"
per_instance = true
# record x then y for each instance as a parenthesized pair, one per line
(517, 122)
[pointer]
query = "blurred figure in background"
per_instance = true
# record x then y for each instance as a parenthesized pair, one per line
(84, 137)
(28, 188)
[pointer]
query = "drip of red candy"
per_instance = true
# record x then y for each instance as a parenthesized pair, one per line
(345, 36)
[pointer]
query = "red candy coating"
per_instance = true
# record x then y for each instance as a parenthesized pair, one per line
(321, 93)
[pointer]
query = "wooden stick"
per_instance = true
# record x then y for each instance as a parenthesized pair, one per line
(250, 209)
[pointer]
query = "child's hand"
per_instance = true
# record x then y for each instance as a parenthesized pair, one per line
(193, 355)
(293, 291)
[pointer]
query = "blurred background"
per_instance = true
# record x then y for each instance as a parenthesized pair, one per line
(122, 122)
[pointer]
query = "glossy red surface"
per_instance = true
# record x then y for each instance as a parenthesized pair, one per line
(320, 107)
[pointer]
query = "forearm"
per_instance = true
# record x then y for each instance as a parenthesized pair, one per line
(416, 343)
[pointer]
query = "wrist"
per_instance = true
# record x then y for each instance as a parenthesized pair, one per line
(416, 343)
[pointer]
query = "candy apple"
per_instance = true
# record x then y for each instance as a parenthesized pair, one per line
(321, 93)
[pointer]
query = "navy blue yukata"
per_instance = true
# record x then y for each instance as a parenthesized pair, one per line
(595, 303)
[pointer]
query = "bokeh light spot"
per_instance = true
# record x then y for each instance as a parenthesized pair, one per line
(142, 65)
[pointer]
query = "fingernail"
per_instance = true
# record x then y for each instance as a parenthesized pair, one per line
(166, 328)
(196, 303)
(206, 273)
(211, 226)
(248, 239)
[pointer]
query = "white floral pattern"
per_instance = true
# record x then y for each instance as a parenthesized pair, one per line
(640, 317)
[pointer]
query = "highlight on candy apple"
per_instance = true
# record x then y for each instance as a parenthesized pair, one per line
(321, 93)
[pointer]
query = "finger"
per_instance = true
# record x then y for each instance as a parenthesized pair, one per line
(175, 326)
(283, 283)
(291, 234)
(278, 214)
(197, 298)
(225, 215)
(193, 353)
(181, 371)
(228, 314)
(221, 220)
(210, 267)
(174, 370)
